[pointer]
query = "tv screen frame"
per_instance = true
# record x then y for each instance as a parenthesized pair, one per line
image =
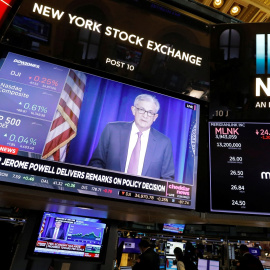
(42, 238)
(104, 189)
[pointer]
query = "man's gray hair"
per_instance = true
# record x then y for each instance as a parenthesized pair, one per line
(146, 97)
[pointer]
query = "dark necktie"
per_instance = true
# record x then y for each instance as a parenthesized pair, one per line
(135, 156)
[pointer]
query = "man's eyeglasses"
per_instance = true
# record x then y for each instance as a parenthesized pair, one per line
(143, 111)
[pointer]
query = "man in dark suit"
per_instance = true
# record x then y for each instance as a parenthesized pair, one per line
(123, 144)
(149, 259)
(56, 232)
(248, 261)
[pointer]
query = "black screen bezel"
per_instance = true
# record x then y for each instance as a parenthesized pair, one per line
(202, 122)
(31, 254)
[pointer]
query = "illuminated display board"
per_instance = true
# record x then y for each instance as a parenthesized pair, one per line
(139, 40)
(53, 113)
(239, 169)
(240, 86)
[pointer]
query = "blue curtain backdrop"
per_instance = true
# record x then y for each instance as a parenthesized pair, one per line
(109, 101)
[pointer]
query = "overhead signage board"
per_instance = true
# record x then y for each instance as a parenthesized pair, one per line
(240, 78)
(140, 40)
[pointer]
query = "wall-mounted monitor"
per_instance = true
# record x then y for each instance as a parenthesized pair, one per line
(239, 167)
(68, 130)
(174, 228)
(71, 236)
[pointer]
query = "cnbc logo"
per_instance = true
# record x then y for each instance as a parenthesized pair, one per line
(262, 64)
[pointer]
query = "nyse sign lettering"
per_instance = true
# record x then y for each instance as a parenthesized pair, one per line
(262, 83)
(115, 33)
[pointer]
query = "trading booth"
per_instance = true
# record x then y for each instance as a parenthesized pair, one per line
(72, 74)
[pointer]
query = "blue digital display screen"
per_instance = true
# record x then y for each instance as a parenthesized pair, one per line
(62, 234)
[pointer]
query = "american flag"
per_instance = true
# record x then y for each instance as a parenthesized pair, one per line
(64, 125)
(42, 227)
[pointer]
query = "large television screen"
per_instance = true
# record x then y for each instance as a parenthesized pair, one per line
(78, 132)
(239, 168)
(70, 236)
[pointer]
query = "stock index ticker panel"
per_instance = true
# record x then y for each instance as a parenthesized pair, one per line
(239, 167)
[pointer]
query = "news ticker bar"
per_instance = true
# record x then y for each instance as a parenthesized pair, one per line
(83, 188)
(97, 177)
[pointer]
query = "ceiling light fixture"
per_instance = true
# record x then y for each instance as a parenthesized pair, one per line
(218, 3)
(235, 10)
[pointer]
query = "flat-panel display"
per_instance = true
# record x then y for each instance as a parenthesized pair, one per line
(88, 124)
(72, 236)
(239, 169)
(174, 228)
(170, 246)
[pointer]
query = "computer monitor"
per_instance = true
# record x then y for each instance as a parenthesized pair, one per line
(170, 246)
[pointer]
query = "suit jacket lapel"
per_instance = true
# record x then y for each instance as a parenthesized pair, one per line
(150, 151)
(124, 142)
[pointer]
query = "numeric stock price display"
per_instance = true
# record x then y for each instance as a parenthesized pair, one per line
(153, 198)
(239, 167)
